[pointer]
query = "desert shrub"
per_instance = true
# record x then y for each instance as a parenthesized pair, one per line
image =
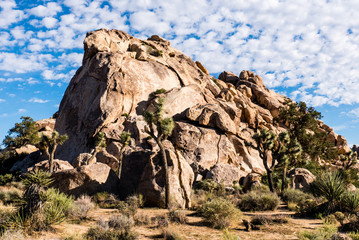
(11, 234)
(117, 228)
(349, 201)
(218, 212)
(141, 219)
(259, 201)
(10, 195)
(99, 233)
(322, 233)
(107, 200)
(211, 186)
(133, 203)
(264, 220)
(81, 207)
(6, 178)
(229, 236)
(295, 196)
(120, 222)
(199, 197)
(178, 216)
(171, 234)
(331, 186)
(354, 235)
(54, 198)
(162, 221)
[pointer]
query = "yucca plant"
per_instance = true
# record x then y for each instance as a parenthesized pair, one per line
(350, 201)
(331, 186)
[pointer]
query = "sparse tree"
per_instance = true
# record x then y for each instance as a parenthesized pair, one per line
(124, 140)
(25, 132)
(160, 129)
(49, 144)
(303, 126)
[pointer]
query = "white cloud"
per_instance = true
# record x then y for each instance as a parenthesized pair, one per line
(354, 113)
(49, 22)
(2, 100)
(37, 100)
(23, 63)
(51, 9)
(8, 14)
(21, 110)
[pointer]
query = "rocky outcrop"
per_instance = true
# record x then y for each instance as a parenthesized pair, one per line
(59, 165)
(214, 118)
(300, 178)
(89, 179)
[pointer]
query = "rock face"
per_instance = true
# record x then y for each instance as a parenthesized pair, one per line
(88, 179)
(213, 118)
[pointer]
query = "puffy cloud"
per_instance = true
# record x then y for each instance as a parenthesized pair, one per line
(23, 63)
(37, 100)
(8, 13)
(2, 100)
(49, 22)
(51, 9)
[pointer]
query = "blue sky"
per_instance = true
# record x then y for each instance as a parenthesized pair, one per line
(307, 50)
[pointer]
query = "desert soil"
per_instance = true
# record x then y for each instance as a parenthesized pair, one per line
(194, 229)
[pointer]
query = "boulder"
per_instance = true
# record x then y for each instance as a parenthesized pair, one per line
(225, 173)
(27, 149)
(59, 165)
(82, 159)
(250, 181)
(87, 179)
(300, 178)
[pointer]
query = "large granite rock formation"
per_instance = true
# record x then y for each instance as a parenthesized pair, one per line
(213, 117)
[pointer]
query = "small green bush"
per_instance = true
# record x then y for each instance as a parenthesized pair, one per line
(295, 196)
(56, 199)
(120, 222)
(6, 178)
(107, 200)
(211, 186)
(259, 201)
(171, 234)
(323, 233)
(218, 213)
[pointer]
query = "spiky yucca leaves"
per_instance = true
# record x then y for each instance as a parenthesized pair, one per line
(49, 144)
(350, 201)
(164, 127)
(331, 186)
(35, 183)
(125, 139)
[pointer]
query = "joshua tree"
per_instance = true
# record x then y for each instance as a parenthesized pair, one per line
(265, 144)
(49, 145)
(124, 140)
(348, 159)
(285, 152)
(164, 128)
(100, 143)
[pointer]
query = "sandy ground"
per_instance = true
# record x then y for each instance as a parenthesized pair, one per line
(194, 229)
